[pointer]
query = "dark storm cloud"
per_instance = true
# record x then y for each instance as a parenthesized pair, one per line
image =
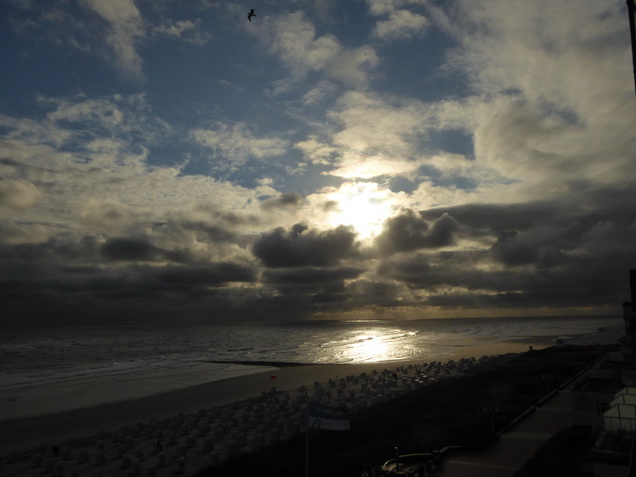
(44, 289)
(302, 248)
(542, 290)
(414, 270)
(129, 250)
(328, 290)
(511, 250)
(441, 272)
(375, 294)
(314, 286)
(223, 218)
(139, 250)
(409, 231)
(205, 275)
(218, 227)
(56, 249)
(497, 216)
(535, 231)
(59, 276)
(566, 253)
(526, 275)
(212, 233)
(309, 275)
(578, 211)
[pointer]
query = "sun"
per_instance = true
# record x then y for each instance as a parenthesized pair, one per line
(361, 205)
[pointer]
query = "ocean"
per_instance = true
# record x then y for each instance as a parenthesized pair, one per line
(44, 356)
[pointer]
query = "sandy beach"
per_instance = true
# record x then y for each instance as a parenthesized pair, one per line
(51, 418)
(51, 414)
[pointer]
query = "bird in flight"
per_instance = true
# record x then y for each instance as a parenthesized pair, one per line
(250, 15)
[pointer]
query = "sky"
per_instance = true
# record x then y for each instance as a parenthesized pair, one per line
(166, 161)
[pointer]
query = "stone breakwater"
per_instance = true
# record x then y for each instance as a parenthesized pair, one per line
(187, 443)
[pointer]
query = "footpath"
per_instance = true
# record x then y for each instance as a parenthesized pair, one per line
(515, 446)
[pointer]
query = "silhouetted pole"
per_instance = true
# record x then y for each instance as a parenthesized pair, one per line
(307, 453)
(558, 366)
(631, 11)
(632, 467)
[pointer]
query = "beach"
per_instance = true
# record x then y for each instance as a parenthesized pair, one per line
(52, 415)
(53, 418)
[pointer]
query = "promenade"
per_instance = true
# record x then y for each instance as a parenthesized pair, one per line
(516, 446)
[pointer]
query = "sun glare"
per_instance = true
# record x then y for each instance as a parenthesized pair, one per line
(369, 348)
(361, 205)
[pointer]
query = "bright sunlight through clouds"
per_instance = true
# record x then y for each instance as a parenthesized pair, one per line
(362, 205)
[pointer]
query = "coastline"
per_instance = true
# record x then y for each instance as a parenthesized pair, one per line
(42, 400)
(50, 418)
(56, 422)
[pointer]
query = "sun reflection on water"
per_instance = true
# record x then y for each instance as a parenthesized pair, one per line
(372, 347)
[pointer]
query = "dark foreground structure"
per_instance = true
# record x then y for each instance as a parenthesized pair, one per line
(631, 11)
(449, 417)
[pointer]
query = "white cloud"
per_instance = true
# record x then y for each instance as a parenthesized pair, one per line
(114, 29)
(553, 106)
(106, 194)
(428, 196)
(118, 126)
(116, 23)
(376, 136)
(353, 66)
(16, 196)
(236, 144)
(103, 112)
(33, 132)
(548, 51)
(317, 151)
(355, 165)
(373, 136)
(185, 30)
(100, 182)
(126, 27)
(385, 7)
(553, 96)
(294, 40)
(319, 93)
(108, 216)
(400, 24)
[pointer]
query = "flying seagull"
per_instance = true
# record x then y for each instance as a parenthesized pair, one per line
(250, 15)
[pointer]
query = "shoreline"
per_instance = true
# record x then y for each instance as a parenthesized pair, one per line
(85, 421)
(55, 422)
(42, 400)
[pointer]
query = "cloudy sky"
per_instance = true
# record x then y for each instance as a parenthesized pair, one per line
(163, 160)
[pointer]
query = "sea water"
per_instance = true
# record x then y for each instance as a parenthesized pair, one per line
(56, 355)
